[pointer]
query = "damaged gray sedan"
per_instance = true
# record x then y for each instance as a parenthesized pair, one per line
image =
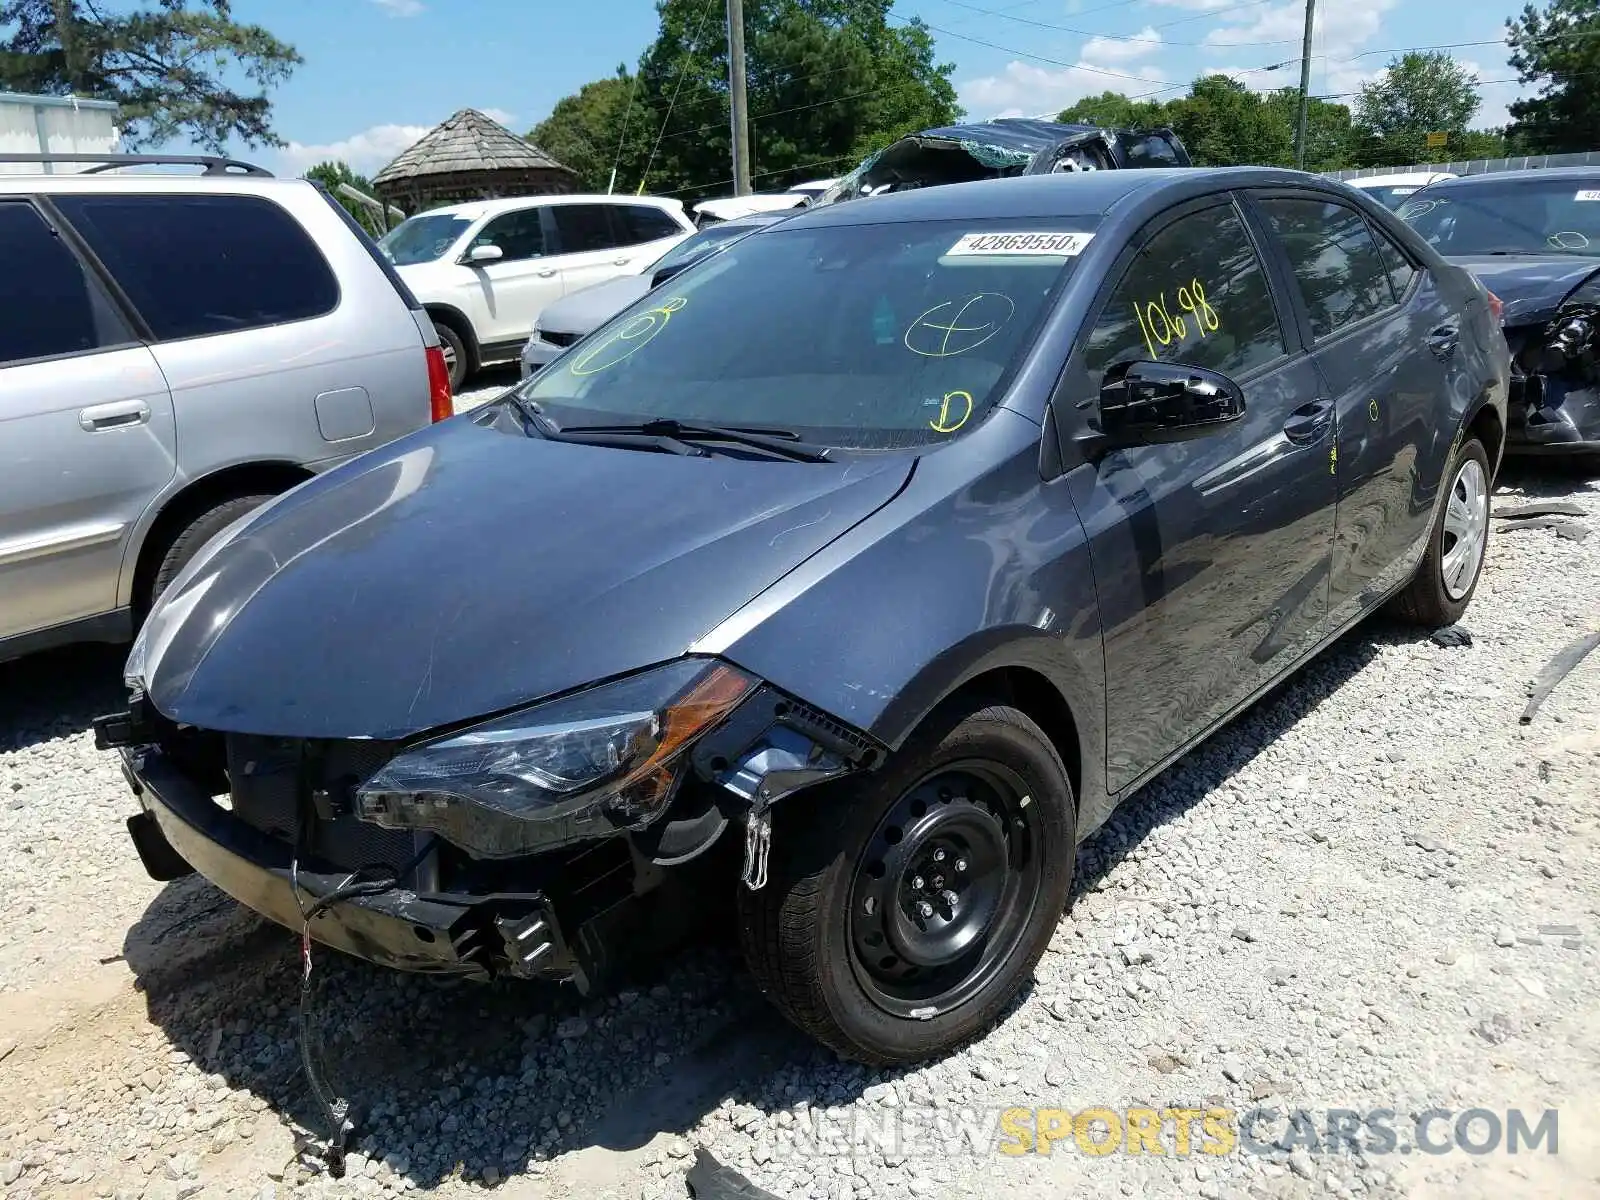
(843, 582)
(1533, 238)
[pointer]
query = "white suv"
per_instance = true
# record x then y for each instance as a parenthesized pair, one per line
(485, 270)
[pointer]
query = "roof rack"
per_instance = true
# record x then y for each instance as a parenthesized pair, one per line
(214, 164)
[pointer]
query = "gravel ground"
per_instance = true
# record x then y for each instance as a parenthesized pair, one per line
(1349, 899)
(485, 386)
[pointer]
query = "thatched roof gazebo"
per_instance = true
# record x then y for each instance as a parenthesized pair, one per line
(469, 157)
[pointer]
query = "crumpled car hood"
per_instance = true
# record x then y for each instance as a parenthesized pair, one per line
(462, 571)
(1531, 287)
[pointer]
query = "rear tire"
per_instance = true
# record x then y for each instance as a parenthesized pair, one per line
(974, 820)
(193, 536)
(1443, 586)
(455, 354)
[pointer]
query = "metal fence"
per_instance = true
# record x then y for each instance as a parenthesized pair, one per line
(1480, 166)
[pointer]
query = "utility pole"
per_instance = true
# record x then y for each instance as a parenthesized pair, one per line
(741, 116)
(1305, 88)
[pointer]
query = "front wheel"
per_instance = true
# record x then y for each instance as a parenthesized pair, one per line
(1440, 591)
(905, 909)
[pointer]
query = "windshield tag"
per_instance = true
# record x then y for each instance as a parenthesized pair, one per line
(1057, 245)
(1588, 194)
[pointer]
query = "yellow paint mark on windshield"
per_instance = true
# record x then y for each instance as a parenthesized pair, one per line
(953, 403)
(631, 337)
(958, 326)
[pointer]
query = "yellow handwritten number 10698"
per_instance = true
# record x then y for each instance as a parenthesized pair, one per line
(1161, 328)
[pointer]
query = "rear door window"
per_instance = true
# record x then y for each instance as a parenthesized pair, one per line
(1401, 272)
(583, 227)
(49, 305)
(204, 264)
(1342, 275)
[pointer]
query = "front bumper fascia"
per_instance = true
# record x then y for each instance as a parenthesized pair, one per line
(441, 934)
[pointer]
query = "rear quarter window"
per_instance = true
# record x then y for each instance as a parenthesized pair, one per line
(195, 265)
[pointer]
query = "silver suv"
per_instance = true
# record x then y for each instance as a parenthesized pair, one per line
(176, 349)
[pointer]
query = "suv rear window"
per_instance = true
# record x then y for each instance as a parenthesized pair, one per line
(196, 265)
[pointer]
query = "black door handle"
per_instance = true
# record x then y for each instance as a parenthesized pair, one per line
(1442, 341)
(1309, 422)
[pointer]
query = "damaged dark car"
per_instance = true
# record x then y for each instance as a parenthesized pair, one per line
(1533, 238)
(844, 583)
(1003, 148)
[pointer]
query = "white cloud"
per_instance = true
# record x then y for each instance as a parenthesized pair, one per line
(366, 152)
(400, 8)
(1196, 5)
(1108, 50)
(1022, 89)
(1341, 28)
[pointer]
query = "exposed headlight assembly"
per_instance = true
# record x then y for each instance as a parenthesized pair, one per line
(569, 769)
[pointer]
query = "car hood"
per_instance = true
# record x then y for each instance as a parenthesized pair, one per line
(1533, 286)
(464, 570)
(588, 309)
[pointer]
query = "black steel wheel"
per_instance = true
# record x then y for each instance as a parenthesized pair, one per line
(944, 888)
(905, 909)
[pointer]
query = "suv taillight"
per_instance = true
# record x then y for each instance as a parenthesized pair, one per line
(1497, 307)
(440, 404)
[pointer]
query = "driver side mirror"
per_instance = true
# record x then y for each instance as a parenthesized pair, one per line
(1152, 403)
(482, 254)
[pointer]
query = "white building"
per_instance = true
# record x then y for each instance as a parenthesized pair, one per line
(54, 125)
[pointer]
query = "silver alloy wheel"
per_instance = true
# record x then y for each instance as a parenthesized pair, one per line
(1466, 529)
(449, 354)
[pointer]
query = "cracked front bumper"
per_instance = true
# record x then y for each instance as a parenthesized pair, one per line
(446, 934)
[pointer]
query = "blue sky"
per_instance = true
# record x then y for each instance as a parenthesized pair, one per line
(379, 73)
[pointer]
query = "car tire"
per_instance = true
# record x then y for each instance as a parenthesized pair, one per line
(455, 355)
(193, 536)
(977, 803)
(1440, 591)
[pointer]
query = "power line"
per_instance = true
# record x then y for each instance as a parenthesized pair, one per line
(1055, 62)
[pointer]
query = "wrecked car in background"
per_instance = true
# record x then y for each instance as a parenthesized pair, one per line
(1533, 238)
(843, 583)
(1000, 148)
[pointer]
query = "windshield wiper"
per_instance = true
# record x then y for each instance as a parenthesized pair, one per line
(779, 442)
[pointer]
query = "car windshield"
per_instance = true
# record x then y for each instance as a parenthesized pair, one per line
(423, 238)
(700, 244)
(1520, 214)
(866, 336)
(1393, 195)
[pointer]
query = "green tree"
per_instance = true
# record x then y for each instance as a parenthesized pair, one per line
(1558, 50)
(164, 63)
(1224, 124)
(330, 175)
(827, 82)
(1113, 110)
(1419, 93)
(1327, 128)
(584, 129)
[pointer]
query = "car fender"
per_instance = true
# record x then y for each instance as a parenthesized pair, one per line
(971, 569)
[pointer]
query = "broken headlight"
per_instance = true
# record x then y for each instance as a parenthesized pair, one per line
(577, 767)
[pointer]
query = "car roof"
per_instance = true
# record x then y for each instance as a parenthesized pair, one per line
(1569, 173)
(488, 208)
(1068, 194)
